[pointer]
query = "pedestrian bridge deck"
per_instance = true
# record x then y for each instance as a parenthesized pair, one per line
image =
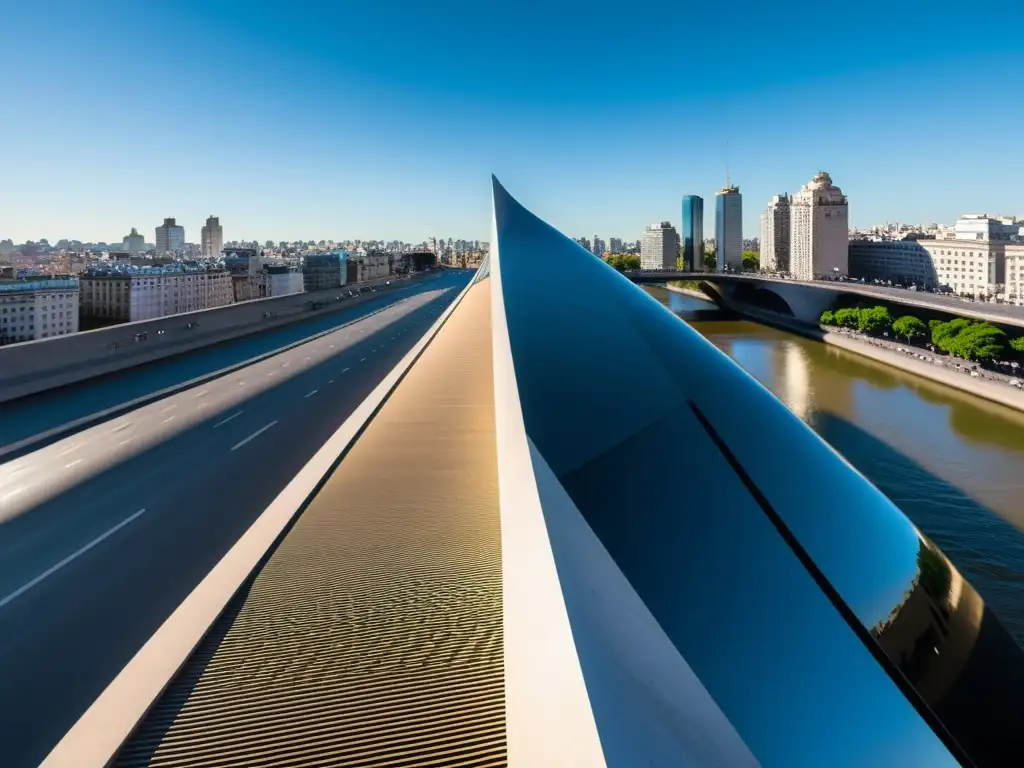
(372, 636)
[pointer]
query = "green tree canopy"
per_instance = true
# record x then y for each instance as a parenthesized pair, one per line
(909, 327)
(982, 342)
(827, 318)
(1018, 344)
(751, 261)
(874, 320)
(710, 260)
(972, 341)
(847, 318)
(623, 261)
(944, 333)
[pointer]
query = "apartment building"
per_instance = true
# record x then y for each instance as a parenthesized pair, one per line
(775, 234)
(819, 230)
(38, 308)
(659, 248)
(128, 295)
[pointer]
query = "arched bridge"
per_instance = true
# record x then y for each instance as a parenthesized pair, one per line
(806, 300)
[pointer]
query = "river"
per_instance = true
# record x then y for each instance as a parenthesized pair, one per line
(954, 463)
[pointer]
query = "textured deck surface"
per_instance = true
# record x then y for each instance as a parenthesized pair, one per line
(373, 635)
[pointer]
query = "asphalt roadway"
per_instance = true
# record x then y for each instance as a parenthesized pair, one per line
(103, 533)
(36, 414)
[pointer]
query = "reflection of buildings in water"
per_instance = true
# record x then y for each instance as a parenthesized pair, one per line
(930, 635)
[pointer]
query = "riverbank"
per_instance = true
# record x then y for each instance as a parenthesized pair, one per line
(997, 392)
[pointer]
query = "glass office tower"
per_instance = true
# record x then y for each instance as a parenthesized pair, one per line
(693, 233)
(729, 229)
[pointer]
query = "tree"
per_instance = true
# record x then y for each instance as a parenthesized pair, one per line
(874, 320)
(944, 333)
(981, 342)
(710, 259)
(827, 318)
(623, 261)
(847, 318)
(751, 261)
(1018, 344)
(909, 327)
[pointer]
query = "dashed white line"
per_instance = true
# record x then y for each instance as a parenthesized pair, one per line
(253, 436)
(15, 492)
(201, 406)
(331, 381)
(310, 394)
(77, 553)
(169, 418)
(241, 383)
(285, 365)
(229, 418)
(121, 428)
(271, 373)
(73, 463)
(169, 408)
(363, 360)
(69, 449)
(307, 358)
(125, 442)
(200, 394)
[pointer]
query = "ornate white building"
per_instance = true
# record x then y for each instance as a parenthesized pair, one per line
(775, 234)
(819, 230)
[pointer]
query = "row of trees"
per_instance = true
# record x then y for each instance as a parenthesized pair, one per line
(968, 339)
(623, 261)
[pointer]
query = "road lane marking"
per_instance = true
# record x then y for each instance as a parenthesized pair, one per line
(345, 371)
(363, 360)
(332, 346)
(76, 554)
(229, 418)
(285, 365)
(125, 442)
(306, 358)
(15, 492)
(169, 408)
(201, 406)
(241, 383)
(254, 435)
(331, 381)
(73, 463)
(121, 428)
(200, 394)
(69, 449)
(310, 394)
(271, 373)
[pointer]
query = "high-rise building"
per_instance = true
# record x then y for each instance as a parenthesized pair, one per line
(660, 247)
(615, 244)
(729, 229)
(134, 242)
(212, 238)
(774, 241)
(693, 233)
(599, 247)
(170, 238)
(819, 230)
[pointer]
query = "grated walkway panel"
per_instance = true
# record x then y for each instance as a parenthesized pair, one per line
(373, 634)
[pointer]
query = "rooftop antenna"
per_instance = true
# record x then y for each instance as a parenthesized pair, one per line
(728, 181)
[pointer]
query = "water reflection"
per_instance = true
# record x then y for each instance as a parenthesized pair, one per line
(952, 462)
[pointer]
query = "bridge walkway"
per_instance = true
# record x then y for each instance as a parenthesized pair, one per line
(372, 636)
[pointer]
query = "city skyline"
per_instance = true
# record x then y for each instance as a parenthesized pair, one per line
(320, 136)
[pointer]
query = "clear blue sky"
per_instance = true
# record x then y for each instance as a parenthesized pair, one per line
(385, 118)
